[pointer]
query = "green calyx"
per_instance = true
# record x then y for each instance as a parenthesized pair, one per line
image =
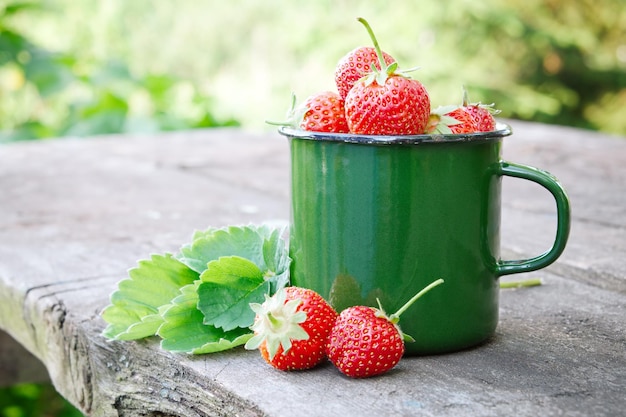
(395, 317)
(277, 323)
(439, 122)
(489, 107)
(466, 101)
(386, 71)
(294, 117)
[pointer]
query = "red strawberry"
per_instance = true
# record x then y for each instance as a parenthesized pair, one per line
(356, 64)
(291, 328)
(464, 121)
(483, 116)
(466, 118)
(365, 341)
(386, 101)
(324, 112)
(321, 112)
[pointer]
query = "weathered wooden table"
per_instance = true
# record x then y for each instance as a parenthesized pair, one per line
(75, 215)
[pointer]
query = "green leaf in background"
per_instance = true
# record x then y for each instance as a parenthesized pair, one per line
(244, 241)
(26, 131)
(11, 44)
(228, 287)
(137, 304)
(183, 329)
(105, 113)
(50, 73)
(18, 6)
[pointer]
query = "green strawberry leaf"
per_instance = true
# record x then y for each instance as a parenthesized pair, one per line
(200, 234)
(209, 245)
(198, 300)
(183, 329)
(136, 306)
(274, 252)
(220, 342)
(146, 327)
(277, 260)
(228, 287)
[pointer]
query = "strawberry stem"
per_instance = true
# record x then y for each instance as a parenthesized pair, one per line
(294, 115)
(379, 52)
(466, 101)
(395, 316)
(519, 284)
(385, 70)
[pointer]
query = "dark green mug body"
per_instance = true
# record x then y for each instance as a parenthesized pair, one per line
(382, 217)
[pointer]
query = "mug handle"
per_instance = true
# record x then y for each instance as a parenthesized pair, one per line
(548, 181)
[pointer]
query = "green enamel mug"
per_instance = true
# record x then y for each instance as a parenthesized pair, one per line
(381, 217)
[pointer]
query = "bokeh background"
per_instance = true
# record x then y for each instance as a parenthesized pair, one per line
(88, 67)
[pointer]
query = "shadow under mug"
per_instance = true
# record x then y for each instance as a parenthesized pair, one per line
(382, 217)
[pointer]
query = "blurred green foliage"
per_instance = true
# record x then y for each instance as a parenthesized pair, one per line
(553, 61)
(557, 61)
(34, 400)
(47, 93)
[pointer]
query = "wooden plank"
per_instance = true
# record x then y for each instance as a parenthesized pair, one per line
(76, 214)
(592, 168)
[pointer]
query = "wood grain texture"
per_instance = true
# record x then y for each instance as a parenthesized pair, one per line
(75, 215)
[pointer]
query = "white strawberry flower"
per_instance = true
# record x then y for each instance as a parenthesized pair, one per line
(277, 323)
